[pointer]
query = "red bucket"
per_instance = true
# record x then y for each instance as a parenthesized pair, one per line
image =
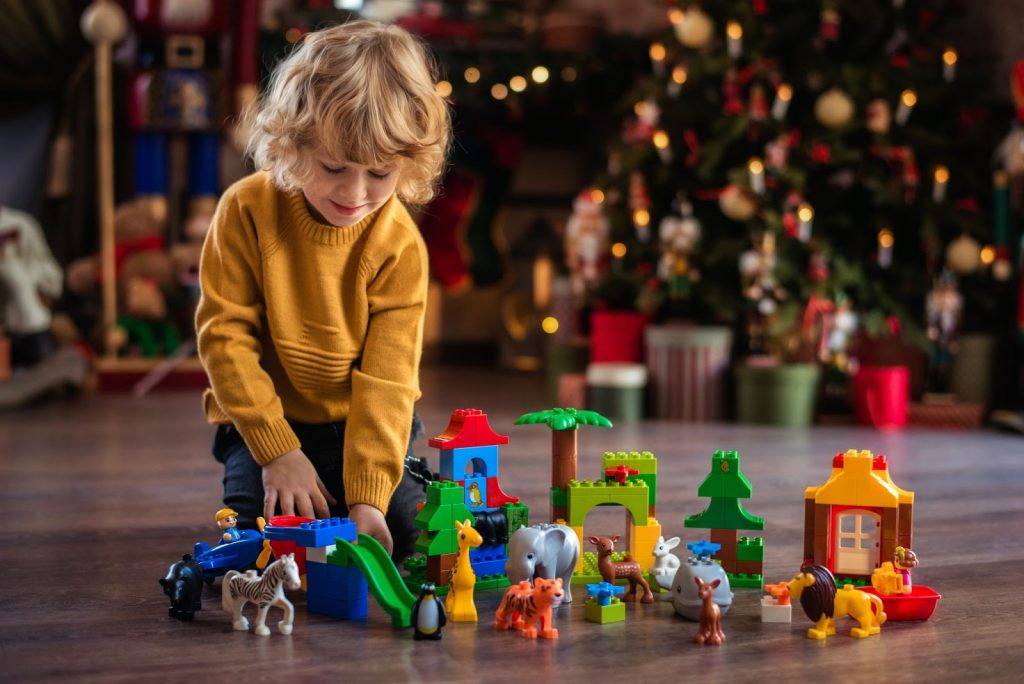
(283, 546)
(881, 395)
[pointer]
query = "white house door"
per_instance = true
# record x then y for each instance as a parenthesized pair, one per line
(858, 534)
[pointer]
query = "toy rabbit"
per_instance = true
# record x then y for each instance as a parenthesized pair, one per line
(665, 562)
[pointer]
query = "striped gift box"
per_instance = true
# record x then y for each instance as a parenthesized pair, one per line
(687, 368)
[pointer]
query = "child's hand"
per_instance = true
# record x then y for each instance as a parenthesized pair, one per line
(291, 482)
(370, 520)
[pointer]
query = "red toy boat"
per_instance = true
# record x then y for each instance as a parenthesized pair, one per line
(919, 604)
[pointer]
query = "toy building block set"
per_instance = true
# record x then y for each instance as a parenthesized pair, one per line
(474, 537)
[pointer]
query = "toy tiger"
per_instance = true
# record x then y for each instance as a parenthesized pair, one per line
(265, 591)
(523, 607)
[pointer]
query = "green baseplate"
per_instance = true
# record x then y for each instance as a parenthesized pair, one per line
(416, 566)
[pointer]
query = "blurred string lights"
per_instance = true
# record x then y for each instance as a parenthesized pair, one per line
(473, 80)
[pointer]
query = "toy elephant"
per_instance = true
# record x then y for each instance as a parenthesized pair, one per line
(543, 550)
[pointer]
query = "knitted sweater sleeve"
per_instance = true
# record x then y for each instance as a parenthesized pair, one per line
(229, 320)
(385, 384)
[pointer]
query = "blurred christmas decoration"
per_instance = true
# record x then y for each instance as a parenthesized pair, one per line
(851, 145)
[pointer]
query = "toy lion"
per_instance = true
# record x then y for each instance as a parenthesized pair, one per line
(815, 588)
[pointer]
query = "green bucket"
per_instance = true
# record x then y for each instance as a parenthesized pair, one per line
(777, 395)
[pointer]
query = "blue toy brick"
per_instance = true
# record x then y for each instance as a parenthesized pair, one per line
(490, 567)
(476, 496)
(453, 462)
(343, 581)
(704, 548)
(483, 553)
(337, 608)
(316, 533)
(488, 560)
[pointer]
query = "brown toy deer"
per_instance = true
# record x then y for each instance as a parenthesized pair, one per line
(611, 570)
(710, 631)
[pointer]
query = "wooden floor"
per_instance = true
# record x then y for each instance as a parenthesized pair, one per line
(101, 494)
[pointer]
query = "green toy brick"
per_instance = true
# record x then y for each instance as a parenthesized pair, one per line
(643, 462)
(437, 543)
(725, 478)
(750, 549)
(558, 497)
(491, 582)
(613, 612)
(650, 480)
(584, 495)
(445, 492)
(745, 581)
(725, 513)
(518, 515)
(436, 517)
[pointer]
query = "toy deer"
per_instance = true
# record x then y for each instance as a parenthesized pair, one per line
(710, 631)
(611, 570)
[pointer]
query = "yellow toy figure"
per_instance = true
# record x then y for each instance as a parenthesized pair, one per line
(227, 520)
(815, 588)
(459, 602)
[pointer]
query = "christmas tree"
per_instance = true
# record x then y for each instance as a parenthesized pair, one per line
(805, 168)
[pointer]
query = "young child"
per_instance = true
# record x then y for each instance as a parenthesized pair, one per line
(314, 284)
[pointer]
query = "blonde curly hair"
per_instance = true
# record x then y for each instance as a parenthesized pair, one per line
(365, 93)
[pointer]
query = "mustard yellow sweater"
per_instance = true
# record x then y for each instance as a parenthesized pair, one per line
(303, 321)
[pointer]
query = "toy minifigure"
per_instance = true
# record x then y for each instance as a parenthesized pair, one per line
(227, 521)
(905, 560)
(428, 616)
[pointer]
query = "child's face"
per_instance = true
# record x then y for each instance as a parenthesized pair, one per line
(341, 193)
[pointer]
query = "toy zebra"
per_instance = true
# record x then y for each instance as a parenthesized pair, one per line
(265, 591)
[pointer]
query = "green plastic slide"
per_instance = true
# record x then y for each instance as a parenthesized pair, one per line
(382, 576)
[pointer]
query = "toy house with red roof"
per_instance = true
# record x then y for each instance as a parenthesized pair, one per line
(855, 520)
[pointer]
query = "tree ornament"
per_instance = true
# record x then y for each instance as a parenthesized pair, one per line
(833, 109)
(829, 27)
(879, 116)
(586, 241)
(696, 29)
(737, 203)
(963, 255)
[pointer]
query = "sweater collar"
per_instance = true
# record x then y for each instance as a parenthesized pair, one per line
(330, 236)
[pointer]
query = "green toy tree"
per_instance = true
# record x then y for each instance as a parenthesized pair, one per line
(563, 423)
(725, 485)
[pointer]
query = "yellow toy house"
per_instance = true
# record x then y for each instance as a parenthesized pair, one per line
(854, 522)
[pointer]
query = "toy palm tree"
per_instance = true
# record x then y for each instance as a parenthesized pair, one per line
(563, 423)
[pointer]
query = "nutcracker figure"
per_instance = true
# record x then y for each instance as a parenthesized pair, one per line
(180, 91)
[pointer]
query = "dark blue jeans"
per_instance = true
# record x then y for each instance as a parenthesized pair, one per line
(322, 444)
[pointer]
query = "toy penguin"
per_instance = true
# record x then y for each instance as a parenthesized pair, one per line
(428, 616)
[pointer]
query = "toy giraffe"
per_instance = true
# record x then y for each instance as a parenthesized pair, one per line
(459, 603)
